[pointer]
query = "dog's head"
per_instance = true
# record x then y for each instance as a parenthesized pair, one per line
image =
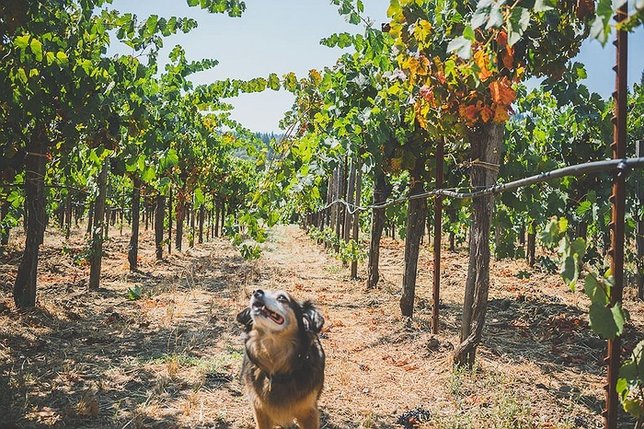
(277, 311)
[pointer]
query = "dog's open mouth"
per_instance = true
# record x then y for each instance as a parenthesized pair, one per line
(264, 311)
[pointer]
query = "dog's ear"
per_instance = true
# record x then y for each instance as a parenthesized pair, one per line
(311, 317)
(244, 318)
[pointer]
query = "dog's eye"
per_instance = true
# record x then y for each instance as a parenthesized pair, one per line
(282, 298)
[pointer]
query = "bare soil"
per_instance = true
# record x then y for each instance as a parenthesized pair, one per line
(171, 357)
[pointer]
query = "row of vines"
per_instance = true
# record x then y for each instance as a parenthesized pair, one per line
(446, 75)
(91, 137)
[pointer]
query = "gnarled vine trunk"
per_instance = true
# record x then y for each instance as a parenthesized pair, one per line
(170, 221)
(68, 215)
(180, 216)
(416, 212)
(202, 217)
(485, 144)
(356, 221)
(532, 243)
(348, 218)
(24, 288)
(342, 177)
(381, 190)
(133, 248)
(217, 217)
(90, 218)
(100, 224)
(159, 211)
(192, 212)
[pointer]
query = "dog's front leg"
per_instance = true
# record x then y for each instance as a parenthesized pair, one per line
(309, 419)
(262, 421)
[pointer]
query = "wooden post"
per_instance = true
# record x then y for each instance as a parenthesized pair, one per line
(170, 221)
(100, 222)
(159, 210)
(438, 214)
(202, 216)
(349, 198)
(639, 152)
(35, 218)
(356, 222)
(133, 248)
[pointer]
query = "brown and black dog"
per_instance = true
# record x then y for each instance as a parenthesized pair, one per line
(283, 367)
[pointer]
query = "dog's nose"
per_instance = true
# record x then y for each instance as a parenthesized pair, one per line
(258, 293)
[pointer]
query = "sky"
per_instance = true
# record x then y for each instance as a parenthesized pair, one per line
(280, 36)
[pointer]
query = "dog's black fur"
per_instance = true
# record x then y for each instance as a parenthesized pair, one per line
(293, 392)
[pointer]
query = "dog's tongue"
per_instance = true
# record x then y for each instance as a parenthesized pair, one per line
(274, 316)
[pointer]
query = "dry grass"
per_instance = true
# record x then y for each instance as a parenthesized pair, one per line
(171, 358)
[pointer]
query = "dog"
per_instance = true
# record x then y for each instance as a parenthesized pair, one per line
(283, 365)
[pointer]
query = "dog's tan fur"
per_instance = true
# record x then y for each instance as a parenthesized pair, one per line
(275, 353)
(283, 367)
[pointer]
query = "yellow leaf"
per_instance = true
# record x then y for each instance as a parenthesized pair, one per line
(417, 66)
(481, 59)
(315, 76)
(421, 110)
(422, 29)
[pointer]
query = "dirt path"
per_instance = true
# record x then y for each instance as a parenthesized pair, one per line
(171, 358)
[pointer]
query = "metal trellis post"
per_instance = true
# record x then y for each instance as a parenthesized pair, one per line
(618, 208)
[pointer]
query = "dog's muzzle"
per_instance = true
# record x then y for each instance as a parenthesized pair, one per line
(258, 307)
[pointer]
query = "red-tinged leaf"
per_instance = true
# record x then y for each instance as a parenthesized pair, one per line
(502, 38)
(508, 57)
(501, 92)
(427, 93)
(501, 114)
(469, 113)
(486, 114)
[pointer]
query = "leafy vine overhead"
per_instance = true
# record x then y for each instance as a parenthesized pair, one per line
(69, 112)
(462, 60)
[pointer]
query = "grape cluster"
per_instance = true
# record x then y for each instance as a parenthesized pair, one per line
(410, 419)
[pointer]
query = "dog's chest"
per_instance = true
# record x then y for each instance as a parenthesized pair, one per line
(275, 355)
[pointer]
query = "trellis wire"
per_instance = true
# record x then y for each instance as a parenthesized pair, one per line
(619, 165)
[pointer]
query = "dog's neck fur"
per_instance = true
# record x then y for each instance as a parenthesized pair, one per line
(274, 354)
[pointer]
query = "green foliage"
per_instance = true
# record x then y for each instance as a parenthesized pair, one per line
(347, 251)
(250, 251)
(630, 382)
(351, 251)
(326, 236)
(134, 293)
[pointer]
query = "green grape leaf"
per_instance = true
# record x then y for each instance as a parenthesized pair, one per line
(606, 321)
(595, 290)
(148, 174)
(570, 271)
(36, 48)
(461, 47)
(544, 5)
(199, 197)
